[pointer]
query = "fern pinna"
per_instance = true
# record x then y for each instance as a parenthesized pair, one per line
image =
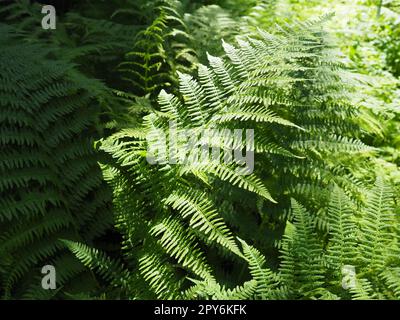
(177, 231)
(50, 183)
(335, 265)
(159, 51)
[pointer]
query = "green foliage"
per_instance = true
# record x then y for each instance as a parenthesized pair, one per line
(160, 50)
(50, 182)
(363, 239)
(168, 214)
(317, 216)
(312, 264)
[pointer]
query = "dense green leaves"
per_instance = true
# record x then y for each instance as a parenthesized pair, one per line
(50, 182)
(251, 149)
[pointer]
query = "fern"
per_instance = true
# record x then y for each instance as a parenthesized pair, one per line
(347, 244)
(301, 266)
(50, 182)
(155, 203)
(160, 50)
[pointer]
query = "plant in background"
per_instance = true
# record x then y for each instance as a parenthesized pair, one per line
(50, 183)
(363, 239)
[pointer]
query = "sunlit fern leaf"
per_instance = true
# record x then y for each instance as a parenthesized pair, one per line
(267, 281)
(204, 217)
